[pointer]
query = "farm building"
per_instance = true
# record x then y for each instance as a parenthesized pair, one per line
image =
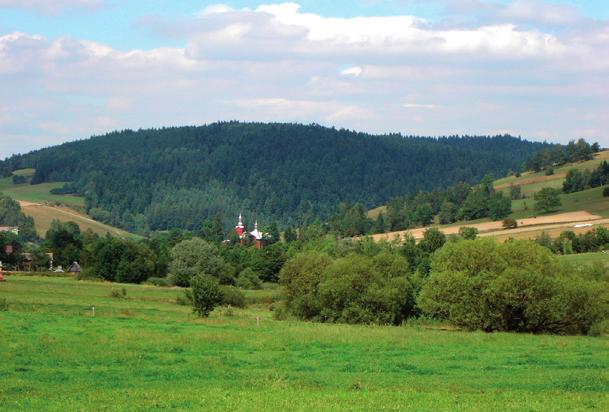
(74, 268)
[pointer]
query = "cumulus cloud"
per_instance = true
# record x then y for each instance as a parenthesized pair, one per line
(276, 63)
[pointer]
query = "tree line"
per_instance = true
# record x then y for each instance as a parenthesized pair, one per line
(160, 179)
(574, 151)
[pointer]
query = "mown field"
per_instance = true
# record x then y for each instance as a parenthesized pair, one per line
(531, 183)
(38, 202)
(144, 352)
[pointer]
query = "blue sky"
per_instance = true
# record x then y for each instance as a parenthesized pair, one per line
(73, 68)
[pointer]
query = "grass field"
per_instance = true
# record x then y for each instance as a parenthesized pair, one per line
(533, 182)
(587, 258)
(147, 353)
(590, 200)
(44, 207)
(44, 214)
(37, 193)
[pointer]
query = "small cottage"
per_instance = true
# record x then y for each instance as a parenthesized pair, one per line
(74, 268)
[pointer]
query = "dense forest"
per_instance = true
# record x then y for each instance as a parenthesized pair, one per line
(286, 173)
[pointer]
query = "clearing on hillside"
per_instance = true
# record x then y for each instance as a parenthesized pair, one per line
(38, 202)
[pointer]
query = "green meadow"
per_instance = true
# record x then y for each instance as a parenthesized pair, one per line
(37, 193)
(145, 352)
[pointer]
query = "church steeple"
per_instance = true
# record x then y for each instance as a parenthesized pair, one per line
(240, 229)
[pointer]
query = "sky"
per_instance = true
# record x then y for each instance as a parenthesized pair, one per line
(538, 69)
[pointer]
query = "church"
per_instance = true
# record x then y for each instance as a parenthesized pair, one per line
(256, 235)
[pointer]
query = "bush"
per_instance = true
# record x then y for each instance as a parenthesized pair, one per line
(19, 180)
(162, 282)
(88, 273)
(606, 191)
(549, 171)
(510, 223)
(352, 289)
(185, 299)
(118, 293)
(301, 277)
(248, 279)
(231, 296)
(468, 233)
(517, 286)
(206, 294)
(433, 239)
(194, 256)
(3, 305)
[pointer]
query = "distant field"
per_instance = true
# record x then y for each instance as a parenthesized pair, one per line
(531, 183)
(38, 193)
(44, 214)
(587, 258)
(44, 207)
(590, 200)
(147, 353)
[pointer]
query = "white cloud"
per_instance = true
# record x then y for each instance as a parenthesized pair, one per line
(419, 106)
(354, 71)
(276, 63)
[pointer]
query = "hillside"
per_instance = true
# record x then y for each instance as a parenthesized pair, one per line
(176, 177)
(579, 212)
(37, 201)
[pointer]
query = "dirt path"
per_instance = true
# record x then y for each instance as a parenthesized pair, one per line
(23, 203)
(491, 228)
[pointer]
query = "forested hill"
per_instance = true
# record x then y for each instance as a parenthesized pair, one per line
(176, 177)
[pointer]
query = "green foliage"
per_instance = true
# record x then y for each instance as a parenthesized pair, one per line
(212, 230)
(176, 177)
(516, 286)
(161, 282)
(206, 294)
(300, 277)
(509, 223)
(118, 293)
(559, 155)
(11, 215)
(433, 239)
(499, 206)
(547, 199)
(468, 233)
(248, 279)
(195, 256)
(351, 220)
(231, 296)
(576, 181)
(3, 304)
(289, 235)
(515, 192)
(19, 180)
(64, 240)
(606, 191)
(351, 289)
(115, 259)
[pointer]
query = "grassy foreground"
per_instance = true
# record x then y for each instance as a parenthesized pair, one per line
(144, 352)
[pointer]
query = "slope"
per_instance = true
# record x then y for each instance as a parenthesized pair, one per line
(44, 207)
(579, 212)
(176, 177)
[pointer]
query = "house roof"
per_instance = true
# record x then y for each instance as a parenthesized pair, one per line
(74, 268)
